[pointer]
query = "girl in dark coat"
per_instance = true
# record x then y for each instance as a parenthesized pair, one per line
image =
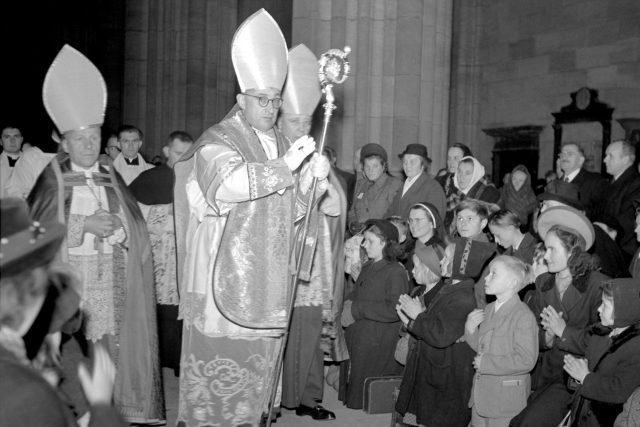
(436, 385)
(370, 316)
(611, 370)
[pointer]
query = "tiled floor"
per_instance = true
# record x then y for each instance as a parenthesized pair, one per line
(344, 416)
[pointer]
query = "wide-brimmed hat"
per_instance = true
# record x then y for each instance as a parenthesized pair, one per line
(417, 149)
(569, 218)
(373, 149)
(566, 193)
(25, 243)
(386, 227)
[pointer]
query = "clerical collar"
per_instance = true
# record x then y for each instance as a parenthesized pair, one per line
(132, 162)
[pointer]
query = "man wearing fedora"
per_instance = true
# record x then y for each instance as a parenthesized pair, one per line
(107, 242)
(419, 187)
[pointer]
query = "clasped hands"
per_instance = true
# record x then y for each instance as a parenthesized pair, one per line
(577, 368)
(102, 223)
(409, 308)
(552, 321)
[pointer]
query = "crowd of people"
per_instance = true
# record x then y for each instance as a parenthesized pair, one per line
(245, 264)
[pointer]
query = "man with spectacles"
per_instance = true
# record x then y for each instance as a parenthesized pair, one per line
(112, 149)
(236, 198)
(130, 162)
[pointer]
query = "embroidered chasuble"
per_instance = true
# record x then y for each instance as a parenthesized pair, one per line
(235, 206)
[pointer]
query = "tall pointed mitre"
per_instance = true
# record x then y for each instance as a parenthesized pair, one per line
(301, 92)
(74, 92)
(259, 53)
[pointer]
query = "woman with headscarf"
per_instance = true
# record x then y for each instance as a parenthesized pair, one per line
(565, 303)
(369, 313)
(468, 179)
(517, 194)
(451, 193)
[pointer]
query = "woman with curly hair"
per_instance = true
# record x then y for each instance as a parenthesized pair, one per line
(565, 302)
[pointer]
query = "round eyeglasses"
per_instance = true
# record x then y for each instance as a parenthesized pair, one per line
(263, 100)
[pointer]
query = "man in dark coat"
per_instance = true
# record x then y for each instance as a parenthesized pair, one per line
(621, 193)
(591, 185)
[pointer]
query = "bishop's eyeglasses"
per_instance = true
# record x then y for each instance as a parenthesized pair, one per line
(263, 100)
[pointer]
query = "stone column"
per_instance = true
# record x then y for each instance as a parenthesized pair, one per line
(398, 92)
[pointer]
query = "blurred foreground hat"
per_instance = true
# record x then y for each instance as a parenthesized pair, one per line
(74, 92)
(24, 243)
(301, 92)
(259, 53)
(417, 149)
(373, 149)
(569, 218)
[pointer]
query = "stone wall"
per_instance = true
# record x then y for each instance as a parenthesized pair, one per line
(528, 56)
(398, 92)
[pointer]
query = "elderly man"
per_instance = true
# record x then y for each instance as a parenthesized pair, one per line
(11, 151)
(130, 162)
(303, 370)
(106, 242)
(591, 185)
(236, 202)
(622, 192)
(153, 189)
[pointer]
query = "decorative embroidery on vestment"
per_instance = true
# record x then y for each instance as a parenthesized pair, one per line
(163, 247)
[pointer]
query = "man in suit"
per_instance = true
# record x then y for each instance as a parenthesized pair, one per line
(419, 187)
(622, 191)
(591, 185)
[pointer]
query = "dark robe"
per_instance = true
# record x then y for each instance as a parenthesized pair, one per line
(372, 339)
(437, 380)
(155, 187)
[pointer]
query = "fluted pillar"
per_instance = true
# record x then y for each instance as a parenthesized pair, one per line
(398, 92)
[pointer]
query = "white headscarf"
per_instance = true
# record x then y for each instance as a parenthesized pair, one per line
(478, 173)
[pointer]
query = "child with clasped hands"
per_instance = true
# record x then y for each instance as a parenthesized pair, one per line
(505, 337)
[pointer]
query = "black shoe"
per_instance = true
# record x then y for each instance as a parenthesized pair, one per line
(317, 412)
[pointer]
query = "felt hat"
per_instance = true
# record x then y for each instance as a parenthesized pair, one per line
(430, 255)
(301, 92)
(566, 193)
(25, 243)
(259, 53)
(470, 258)
(389, 230)
(569, 218)
(373, 149)
(417, 149)
(74, 92)
(626, 301)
